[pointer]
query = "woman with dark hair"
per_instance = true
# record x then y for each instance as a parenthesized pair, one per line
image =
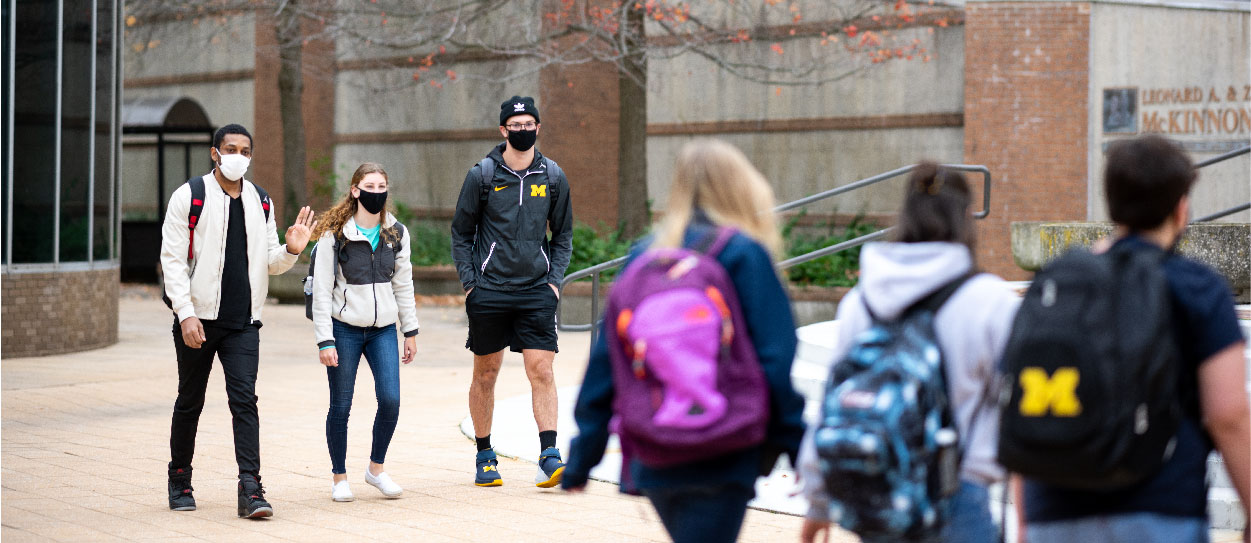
(934, 246)
(362, 287)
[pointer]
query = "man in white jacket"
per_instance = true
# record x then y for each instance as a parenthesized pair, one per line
(219, 244)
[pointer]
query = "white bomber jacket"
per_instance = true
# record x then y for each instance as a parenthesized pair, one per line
(368, 288)
(194, 288)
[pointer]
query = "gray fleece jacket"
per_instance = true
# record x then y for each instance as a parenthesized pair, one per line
(972, 329)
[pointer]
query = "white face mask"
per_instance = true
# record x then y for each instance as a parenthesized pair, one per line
(233, 166)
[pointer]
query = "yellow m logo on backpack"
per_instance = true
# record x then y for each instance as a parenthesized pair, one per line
(1056, 393)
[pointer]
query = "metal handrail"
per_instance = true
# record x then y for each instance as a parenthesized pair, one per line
(595, 271)
(1214, 160)
(1220, 214)
(1223, 157)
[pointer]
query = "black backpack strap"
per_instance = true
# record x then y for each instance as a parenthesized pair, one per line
(399, 235)
(193, 213)
(266, 203)
(486, 172)
(935, 300)
(553, 172)
(338, 244)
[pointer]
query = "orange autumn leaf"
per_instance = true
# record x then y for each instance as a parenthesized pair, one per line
(451, 74)
(777, 48)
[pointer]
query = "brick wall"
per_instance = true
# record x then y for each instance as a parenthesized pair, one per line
(317, 100)
(58, 312)
(1025, 116)
(580, 133)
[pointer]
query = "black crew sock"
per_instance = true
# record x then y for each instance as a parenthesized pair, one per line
(547, 439)
(484, 443)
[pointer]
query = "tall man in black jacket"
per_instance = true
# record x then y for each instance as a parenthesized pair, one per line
(511, 271)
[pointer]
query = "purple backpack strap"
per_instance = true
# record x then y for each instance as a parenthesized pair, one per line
(713, 242)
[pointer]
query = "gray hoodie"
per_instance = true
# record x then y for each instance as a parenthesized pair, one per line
(972, 329)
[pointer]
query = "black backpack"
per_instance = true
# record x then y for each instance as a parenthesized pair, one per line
(486, 171)
(193, 217)
(887, 443)
(312, 262)
(1089, 394)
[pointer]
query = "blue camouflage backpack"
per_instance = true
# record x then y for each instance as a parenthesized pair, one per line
(886, 441)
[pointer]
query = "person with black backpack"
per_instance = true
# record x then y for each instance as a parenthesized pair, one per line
(694, 358)
(359, 295)
(1125, 368)
(904, 448)
(511, 272)
(219, 245)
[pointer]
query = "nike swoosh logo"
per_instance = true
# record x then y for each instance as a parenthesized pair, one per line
(497, 189)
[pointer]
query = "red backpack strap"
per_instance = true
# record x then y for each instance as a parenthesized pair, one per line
(193, 213)
(266, 202)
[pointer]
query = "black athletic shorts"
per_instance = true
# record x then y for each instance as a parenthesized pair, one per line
(522, 319)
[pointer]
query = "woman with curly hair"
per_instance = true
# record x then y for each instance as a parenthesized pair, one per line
(362, 289)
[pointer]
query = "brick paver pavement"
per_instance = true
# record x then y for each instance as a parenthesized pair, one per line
(85, 442)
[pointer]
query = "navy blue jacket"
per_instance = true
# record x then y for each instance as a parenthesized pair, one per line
(767, 311)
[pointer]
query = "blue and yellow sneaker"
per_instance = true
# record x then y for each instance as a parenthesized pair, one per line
(550, 468)
(487, 472)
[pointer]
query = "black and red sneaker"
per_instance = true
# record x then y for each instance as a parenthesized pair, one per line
(180, 498)
(252, 502)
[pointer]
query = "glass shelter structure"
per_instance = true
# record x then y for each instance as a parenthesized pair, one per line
(62, 90)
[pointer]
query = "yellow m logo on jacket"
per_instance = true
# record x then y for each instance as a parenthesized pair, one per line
(1057, 393)
(538, 190)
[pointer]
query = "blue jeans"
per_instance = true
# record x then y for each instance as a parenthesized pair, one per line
(381, 349)
(1129, 528)
(969, 519)
(701, 513)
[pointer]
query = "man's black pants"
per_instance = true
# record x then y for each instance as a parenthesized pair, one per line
(238, 351)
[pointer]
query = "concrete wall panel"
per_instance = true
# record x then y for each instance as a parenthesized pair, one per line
(1151, 48)
(389, 101)
(421, 174)
(690, 88)
(798, 164)
(191, 46)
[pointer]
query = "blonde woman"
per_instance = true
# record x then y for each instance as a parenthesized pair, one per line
(714, 185)
(363, 290)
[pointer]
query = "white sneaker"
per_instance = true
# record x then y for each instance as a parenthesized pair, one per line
(342, 492)
(384, 483)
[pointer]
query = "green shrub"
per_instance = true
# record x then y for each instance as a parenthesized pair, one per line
(432, 243)
(591, 248)
(840, 269)
(432, 246)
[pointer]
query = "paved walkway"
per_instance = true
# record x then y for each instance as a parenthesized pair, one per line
(85, 441)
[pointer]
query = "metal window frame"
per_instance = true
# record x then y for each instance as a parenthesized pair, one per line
(8, 173)
(91, 138)
(115, 224)
(56, 147)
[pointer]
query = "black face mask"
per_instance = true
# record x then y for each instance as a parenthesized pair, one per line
(373, 202)
(522, 140)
